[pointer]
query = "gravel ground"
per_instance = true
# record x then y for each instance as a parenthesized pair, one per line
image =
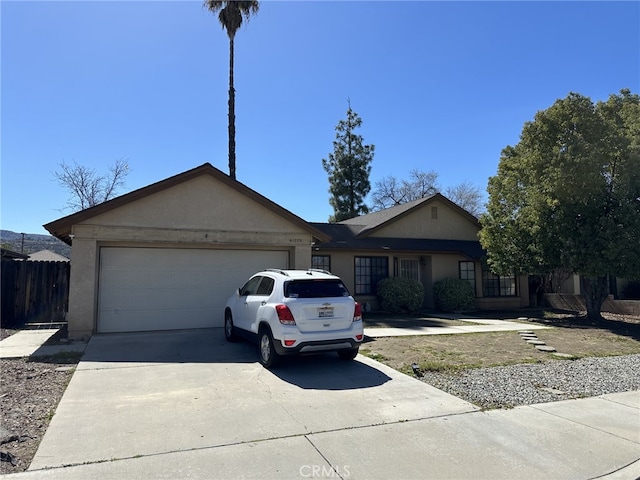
(527, 384)
(29, 394)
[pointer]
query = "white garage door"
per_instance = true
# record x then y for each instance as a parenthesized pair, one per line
(167, 288)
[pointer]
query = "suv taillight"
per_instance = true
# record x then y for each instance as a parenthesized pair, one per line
(357, 313)
(284, 315)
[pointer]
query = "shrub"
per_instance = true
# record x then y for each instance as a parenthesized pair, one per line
(400, 295)
(453, 294)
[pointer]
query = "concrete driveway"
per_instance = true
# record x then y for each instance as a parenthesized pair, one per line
(189, 405)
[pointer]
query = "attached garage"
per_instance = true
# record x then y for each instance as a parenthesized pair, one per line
(143, 289)
(167, 256)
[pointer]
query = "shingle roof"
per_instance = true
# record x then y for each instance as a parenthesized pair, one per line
(373, 221)
(344, 237)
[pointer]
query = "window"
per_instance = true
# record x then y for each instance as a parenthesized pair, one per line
(322, 262)
(315, 289)
(368, 272)
(467, 271)
(498, 285)
(409, 268)
(266, 286)
(250, 287)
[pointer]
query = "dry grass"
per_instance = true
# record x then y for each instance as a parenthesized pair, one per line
(569, 334)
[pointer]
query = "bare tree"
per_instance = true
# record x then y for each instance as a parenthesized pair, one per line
(390, 191)
(86, 187)
(466, 195)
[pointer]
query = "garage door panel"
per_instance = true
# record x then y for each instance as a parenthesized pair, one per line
(162, 289)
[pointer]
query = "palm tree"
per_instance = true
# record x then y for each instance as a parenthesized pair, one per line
(231, 15)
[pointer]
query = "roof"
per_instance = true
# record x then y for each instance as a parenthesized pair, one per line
(47, 256)
(11, 255)
(343, 238)
(61, 228)
(371, 222)
(354, 233)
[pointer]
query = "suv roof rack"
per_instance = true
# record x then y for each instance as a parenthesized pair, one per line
(277, 270)
(319, 270)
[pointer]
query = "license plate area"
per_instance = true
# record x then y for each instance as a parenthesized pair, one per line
(325, 312)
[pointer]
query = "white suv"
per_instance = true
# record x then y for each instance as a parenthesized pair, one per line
(295, 311)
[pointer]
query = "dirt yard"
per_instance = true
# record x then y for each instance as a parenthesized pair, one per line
(570, 334)
(29, 394)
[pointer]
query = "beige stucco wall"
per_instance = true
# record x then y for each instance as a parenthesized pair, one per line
(450, 224)
(436, 267)
(200, 213)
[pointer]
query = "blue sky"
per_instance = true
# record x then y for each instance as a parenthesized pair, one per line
(441, 86)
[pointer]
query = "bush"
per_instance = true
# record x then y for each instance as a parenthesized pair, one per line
(400, 295)
(453, 294)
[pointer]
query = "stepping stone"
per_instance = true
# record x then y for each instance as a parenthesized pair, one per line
(536, 342)
(545, 348)
(563, 355)
(64, 369)
(526, 332)
(528, 335)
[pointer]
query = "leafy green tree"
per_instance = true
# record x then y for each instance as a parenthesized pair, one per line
(348, 167)
(231, 15)
(568, 195)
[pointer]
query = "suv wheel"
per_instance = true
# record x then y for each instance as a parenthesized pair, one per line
(228, 328)
(268, 354)
(349, 354)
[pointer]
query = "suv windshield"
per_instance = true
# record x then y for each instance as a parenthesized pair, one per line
(315, 289)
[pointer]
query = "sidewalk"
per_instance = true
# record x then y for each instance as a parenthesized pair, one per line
(30, 343)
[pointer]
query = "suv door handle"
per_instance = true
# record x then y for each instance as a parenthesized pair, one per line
(263, 303)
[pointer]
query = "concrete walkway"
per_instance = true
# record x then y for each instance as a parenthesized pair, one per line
(475, 326)
(30, 343)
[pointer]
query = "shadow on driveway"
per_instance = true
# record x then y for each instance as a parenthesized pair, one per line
(208, 346)
(327, 372)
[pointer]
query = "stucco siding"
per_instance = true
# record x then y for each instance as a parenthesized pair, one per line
(201, 203)
(449, 225)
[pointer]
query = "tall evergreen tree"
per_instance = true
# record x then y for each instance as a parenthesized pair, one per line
(230, 16)
(348, 167)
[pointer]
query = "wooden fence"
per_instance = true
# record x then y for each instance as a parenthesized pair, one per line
(34, 292)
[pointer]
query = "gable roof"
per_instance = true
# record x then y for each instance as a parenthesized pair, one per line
(47, 256)
(355, 233)
(372, 222)
(61, 228)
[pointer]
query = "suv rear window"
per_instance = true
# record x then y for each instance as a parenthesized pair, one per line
(315, 289)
